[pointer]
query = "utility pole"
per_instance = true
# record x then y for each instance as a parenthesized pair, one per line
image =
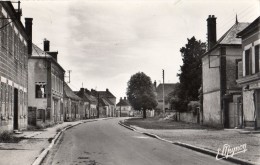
(163, 91)
(98, 106)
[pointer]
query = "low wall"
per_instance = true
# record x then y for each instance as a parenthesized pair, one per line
(188, 117)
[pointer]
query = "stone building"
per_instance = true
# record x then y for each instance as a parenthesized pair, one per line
(123, 108)
(73, 105)
(221, 94)
(90, 103)
(45, 86)
(13, 68)
(250, 81)
(111, 99)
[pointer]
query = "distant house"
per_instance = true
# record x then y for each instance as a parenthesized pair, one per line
(168, 88)
(250, 81)
(73, 105)
(221, 94)
(90, 103)
(109, 97)
(124, 108)
(14, 44)
(45, 86)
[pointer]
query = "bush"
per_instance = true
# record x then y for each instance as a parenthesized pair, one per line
(8, 137)
(193, 105)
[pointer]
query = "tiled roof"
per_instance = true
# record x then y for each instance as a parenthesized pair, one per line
(123, 102)
(87, 97)
(69, 93)
(230, 37)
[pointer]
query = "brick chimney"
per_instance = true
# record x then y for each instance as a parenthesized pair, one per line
(28, 30)
(212, 32)
(46, 45)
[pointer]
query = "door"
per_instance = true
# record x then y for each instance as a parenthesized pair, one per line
(16, 114)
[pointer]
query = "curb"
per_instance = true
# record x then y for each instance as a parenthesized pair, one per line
(44, 153)
(198, 149)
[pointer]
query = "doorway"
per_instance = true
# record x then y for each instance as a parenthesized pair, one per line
(16, 114)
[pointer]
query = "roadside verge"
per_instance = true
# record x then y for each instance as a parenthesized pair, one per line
(192, 147)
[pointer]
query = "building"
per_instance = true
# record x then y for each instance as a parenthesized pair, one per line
(111, 99)
(221, 94)
(123, 108)
(45, 86)
(73, 105)
(13, 68)
(250, 81)
(168, 88)
(90, 103)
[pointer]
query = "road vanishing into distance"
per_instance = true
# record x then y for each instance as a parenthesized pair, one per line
(105, 142)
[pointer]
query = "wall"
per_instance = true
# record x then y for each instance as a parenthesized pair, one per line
(36, 73)
(211, 90)
(211, 109)
(188, 117)
(13, 72)
(248, 108)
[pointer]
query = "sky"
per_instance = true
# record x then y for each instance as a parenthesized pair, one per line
(105, 42)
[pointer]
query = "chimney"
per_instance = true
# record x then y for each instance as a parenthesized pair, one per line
(212, 32)
(81, 90)
(46, 45)
(28, 30)
(120, 98)
(54, 55)
(155, 84)
(107, 90)
(124, 98)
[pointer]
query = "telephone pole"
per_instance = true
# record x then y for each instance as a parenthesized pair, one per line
(163, 91)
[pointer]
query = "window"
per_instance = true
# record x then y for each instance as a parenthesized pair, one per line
(257, 58)
(40, 90)
(248, 62)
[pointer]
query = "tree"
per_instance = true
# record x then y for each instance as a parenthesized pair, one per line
(140, 92)
(190, 72)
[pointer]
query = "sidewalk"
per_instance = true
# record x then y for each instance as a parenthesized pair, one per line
(211, 139)
(27, 150)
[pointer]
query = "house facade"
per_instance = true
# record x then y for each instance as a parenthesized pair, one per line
(109, 98)
(168, 88)
(90, 103)
(73, 105)
(250, 81)
(13, 68)
(221, 93)
(123, 108)
(45, 86)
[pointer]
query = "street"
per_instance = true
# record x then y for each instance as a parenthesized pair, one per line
(107, 143)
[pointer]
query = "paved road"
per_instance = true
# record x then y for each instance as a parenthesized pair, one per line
(107, 143)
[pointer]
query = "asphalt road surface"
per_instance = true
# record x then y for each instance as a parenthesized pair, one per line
(107, 143)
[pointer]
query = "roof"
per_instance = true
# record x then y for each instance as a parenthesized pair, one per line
(106, 93)
(230, 37)
(38, 53)
(69, 93)
(123, 102)
(168, 88)
(87, 97)
(250, 28)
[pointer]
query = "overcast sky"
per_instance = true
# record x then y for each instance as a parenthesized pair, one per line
(104, 42)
